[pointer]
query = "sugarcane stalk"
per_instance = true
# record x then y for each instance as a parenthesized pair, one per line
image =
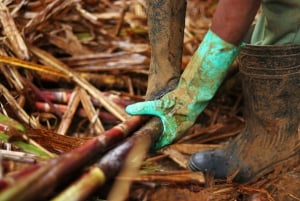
(61, 70)
(110, 164)
(58, 65)
(65, 96)
(82, 188)
(130, 168)
(37, 92)
(14, 177)
(45, 179)
(103, 115)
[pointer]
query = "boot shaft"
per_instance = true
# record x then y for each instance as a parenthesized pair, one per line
(271, 84)
(271, 87)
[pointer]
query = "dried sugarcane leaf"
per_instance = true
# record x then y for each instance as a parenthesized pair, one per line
(58, 65)
(91, 111)
(31, 66)
(69, 113)
(49, 11)
(68, 42)
(55, 142)
(11, 32)
(11, 128)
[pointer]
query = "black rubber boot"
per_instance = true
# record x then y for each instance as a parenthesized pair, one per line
(271, 88)
(166, 29)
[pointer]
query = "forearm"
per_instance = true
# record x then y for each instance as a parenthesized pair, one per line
(233, 18)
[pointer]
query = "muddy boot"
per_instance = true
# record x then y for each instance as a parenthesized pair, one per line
(166, 28)
(271, 87)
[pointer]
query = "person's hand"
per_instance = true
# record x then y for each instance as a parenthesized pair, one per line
(205, 72)
(176, 111)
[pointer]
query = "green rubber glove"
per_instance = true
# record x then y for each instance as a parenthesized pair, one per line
(179, 108)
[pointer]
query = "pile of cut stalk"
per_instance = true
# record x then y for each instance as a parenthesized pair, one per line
(68, 69)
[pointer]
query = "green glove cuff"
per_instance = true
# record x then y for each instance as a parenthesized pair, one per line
(197, 86)
(216, 54)
(206, 71)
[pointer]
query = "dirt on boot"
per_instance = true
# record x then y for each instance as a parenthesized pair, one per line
(271, 96)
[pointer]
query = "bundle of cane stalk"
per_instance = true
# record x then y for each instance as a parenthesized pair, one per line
(41, 180)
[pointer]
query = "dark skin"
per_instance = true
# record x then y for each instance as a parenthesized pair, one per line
(233, 18)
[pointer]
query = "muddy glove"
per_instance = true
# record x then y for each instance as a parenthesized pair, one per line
(179, 108)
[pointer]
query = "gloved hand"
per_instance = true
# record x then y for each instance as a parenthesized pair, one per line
(179, 108)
